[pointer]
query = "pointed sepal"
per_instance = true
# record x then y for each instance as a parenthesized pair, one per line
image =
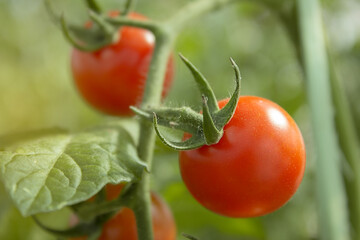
(188, 236)
(183, 118)
(87, 39)
(91, 35)
(191, 143)
(80, 44)
(211, 133)
(223, 116)
(129, 4)
(202, 84)
(110, 32)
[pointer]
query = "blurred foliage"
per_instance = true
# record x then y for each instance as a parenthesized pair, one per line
(36, 91)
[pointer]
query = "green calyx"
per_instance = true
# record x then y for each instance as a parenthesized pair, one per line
(188, 236)
(102, 32)
(206, 128)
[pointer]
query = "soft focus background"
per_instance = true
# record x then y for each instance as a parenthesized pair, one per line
(36, 91)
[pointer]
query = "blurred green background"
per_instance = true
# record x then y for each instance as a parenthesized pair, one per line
(36, 91)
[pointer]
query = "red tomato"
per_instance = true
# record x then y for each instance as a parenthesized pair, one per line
(113, 78)
(254, 169)
(123, 224)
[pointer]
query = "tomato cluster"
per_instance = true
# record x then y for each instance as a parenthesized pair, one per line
(113, 78)
(254, 169)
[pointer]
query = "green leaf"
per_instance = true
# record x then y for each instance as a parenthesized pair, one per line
(13, 138)
(15, 227)
(51, 172)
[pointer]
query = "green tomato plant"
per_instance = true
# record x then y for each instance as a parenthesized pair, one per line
(48, 171)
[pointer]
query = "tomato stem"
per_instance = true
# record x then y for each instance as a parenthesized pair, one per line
(93, 5)
(124, 21)
(108, 30)
(165, 34)
(349, 144)
(128, 7)
(330, 186)
(152, 97)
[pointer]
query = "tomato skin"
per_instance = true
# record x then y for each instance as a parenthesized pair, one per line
(113, 78)
(254, 169)
(123, 224)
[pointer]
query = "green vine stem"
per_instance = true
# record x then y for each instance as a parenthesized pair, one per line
(349, 143)
(93, 5)
(165, 34)
(332, 205)
(152, 97)
(129, 5)
(345, 125)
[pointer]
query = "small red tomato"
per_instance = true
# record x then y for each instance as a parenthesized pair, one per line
(256, 166)
(123, 224)
(113, 78)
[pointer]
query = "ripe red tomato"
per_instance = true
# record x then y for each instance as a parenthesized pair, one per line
(123, 224)
(256, 166)
(113, 78)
